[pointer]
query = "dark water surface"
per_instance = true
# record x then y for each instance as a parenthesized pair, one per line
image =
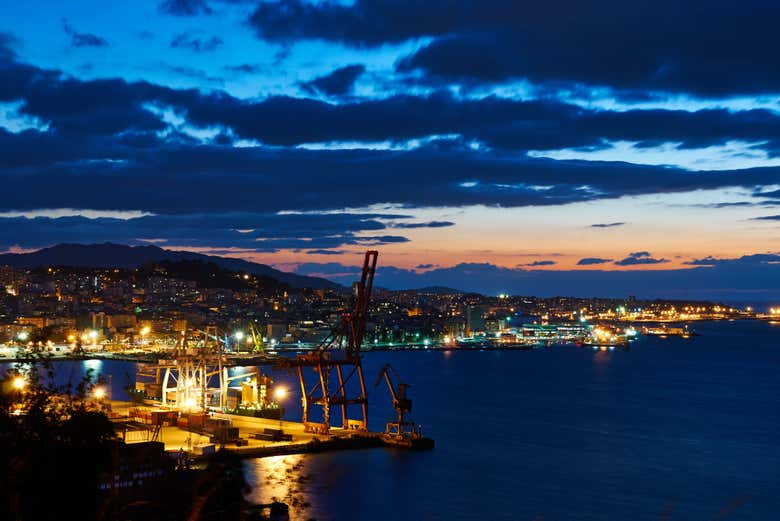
(672, 429)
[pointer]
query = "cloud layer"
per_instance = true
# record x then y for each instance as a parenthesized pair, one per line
(627, 45)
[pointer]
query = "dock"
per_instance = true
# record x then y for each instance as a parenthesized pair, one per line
(254, 435)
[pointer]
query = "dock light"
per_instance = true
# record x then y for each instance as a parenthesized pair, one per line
(280, 393)
(99, 393)
(19, 383)
(239, 335)
(23, 336)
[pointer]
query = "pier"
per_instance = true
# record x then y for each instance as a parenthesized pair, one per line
(245, 436)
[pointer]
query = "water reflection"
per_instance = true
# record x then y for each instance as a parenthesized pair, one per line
(282, 478)
(94, 365)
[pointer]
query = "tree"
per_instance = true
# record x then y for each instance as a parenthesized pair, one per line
(55, 443)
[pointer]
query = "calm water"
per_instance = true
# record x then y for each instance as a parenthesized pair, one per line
(672, 429)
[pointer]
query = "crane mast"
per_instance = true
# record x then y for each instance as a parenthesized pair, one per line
(401, 403)
(349, 388)
(402, 432)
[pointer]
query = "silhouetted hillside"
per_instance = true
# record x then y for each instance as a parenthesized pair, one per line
(110, 255)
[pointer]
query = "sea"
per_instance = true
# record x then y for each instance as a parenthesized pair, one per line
(670, 429)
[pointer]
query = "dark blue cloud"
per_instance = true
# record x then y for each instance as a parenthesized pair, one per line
(590, 261)
(500, 124)
(196, 43)
(185, 7)
(108, 135)
(768, 218)
(755, 260)
(258, 232)
(538, 263)
(237, 178)
(326, 252)
(430, 224)
(607, 225)
(337, 83)
(78, 39)
(646, 45)
(638, 258)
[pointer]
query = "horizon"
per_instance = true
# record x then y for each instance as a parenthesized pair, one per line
(502, 146)
(347, 277)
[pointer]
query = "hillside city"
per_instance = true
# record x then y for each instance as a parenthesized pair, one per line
(160, 303)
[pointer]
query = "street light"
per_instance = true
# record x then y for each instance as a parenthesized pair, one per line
(23, 336)
(144, 331)
(19, 383)
(99, 393)
(280, 393)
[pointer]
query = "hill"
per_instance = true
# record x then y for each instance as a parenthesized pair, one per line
(110, 255)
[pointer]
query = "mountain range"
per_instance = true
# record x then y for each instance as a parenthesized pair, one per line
(109, 255)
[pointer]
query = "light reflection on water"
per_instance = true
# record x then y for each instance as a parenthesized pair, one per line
(283, 478)
(95, 365)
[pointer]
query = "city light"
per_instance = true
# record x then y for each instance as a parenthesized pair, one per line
(239, 335)
(19, 383)
(280, 393)
(99, 393)
(23, 336)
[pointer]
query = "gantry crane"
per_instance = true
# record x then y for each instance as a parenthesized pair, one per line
(340, 350)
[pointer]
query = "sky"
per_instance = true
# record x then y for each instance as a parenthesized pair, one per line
(552, 148)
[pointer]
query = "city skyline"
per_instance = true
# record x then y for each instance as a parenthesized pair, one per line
(515, 147)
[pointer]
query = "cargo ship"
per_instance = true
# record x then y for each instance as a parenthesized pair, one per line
(665, 331)
(605, 337)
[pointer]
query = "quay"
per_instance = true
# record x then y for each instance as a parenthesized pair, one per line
(245, 436)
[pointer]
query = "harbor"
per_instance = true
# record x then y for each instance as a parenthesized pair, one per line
(245, 436)
(194, 404)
